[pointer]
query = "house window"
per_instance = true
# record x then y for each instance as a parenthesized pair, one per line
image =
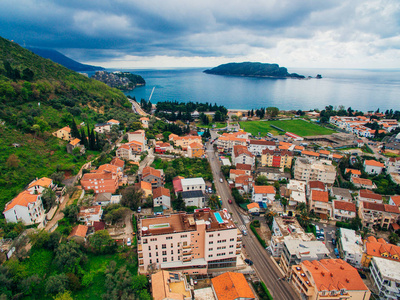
(164, 259)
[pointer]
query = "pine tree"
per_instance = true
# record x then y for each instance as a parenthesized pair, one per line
(74, 130)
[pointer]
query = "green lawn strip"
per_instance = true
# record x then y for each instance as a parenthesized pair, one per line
(262, 242)
(255, 127)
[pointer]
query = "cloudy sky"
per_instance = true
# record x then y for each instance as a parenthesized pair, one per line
(177, 33)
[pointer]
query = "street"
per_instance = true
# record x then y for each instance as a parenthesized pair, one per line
(265, 268)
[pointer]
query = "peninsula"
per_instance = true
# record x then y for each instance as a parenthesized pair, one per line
(253, 69)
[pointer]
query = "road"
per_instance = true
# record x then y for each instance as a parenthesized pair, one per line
(265, 268)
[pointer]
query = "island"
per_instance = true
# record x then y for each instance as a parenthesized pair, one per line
(119, 80)
(253, 69)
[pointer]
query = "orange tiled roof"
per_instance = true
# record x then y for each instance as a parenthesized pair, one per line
(370, 195)
(362, 181)
(23, 199)
(396, 200)
(338, 156)
(239, 150)
(244, 179)
(117, 162)
(253, 205)
(310, 153)
(230, 286)
(79, 230)
(75, 142)
(144, 119)
(391, 209)
(144, 185)
(151, 171)
(353, 171)
(113, 121)
(334, 274)
(44, 182)
(246, 167)
(67, 129)
(326, 152)
(320, 196)
(264, 189)
(107, 168)
(375, 247)
(374, 163)
(237, 172)
(344, 205)
(161, 191)
(195, 145)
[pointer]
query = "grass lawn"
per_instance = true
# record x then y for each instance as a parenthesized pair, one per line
(217, 125)
(299, 127)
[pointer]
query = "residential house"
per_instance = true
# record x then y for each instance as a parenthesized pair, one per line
(363, 183)
(63, 133)
(244, 183)
(379, 248)
(277, 158)
(308, 170)
(341, 194)
(253, 208)
(392, 165)
(195, 150)
(376, 214)
(227, 141)
(90, 214)
(194, 198)
(264, 194)
(231, 286)
(176, 182)
(153, 176)
(386, 277)
(373, 167)
(161, 196)
(195, 243)
(344, 211)
(162, 147)
(351, 247)
(319, 202)
(353, 172)
(170, 285)
(102, 128)
(233, 173)
(145, 187)
(184, 141)
(138, 136)
(113, 122)
(295, 192)
(37, 186)
(395, 200)
(78, 233)
(328, 279)
(315, 185)
(145, 122)
(310, 154)
(102, 182)
(105, 199)
(240, 155)
(25, 207)
(245, 167)
(256, 147)
(369, 196)
(75, 143)
(130, 151)
(193, 184)
(324, 153)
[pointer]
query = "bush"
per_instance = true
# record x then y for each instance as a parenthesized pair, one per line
(262, 291)
(262, 242)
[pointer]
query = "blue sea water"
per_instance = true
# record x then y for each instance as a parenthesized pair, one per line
(363, 90)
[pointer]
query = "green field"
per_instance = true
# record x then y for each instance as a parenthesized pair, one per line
(299, 127)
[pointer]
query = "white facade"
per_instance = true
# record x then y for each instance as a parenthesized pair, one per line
(193, 184)
(194, 198)
(138, 136)
(297, 190)
(310, 170)
(243, 159)
(393, 165)
(163, 200)
(371, 169)
(262, 197)
(256, 147)
(351, 247)
(29, 212)
(102, 128)
(386, 276)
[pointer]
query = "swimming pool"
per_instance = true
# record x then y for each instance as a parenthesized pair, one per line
(218, 217)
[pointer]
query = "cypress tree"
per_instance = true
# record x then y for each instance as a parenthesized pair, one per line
(74, 130)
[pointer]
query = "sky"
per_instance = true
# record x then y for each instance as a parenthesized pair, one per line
(174, 33)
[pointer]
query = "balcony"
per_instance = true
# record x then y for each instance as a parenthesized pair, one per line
(139, 247)
(187, 247)
(187, 253)
(238, 246)
(140, 255)
(238, 252)
(141, 262)
(187, 259)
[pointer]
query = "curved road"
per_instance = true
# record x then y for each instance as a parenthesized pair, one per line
(265, 268)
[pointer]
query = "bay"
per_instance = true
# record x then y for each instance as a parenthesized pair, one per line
(365, 90)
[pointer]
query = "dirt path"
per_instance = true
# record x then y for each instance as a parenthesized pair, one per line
(59, 214)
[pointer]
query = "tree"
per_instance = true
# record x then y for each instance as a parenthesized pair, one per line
(12, 161)
(35, 128)
(272, 111)
(69, 257)
(56, 284)
(63, 296)
(179, 203)
(49, 198)
(132, 197)
(57, 177)
(71, 212)
(30, 285)
(261, 180)
(101, 243)
(118, 283)
(393, 238)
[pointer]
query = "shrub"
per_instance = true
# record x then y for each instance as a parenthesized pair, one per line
(262, 242)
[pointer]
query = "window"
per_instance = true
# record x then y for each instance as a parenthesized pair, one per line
(144, 241)
(172, 252)
(153, 240)
(169, 237)
(164, 259)
(211, 235)
(150, 254)
(164, 253)
(172, 258)
(210, 242)
(231, 240)
(172, 245)
(164, 246)
(150, 261)
(149, 247)
(156, 253)
(210, 249)
(210, 255)
(157, 260)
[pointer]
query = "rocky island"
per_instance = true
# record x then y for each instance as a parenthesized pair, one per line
(119, 80)
(253, 69)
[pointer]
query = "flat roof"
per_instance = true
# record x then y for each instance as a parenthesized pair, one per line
(307, 250)
(388, 268)
(192, 181)
(351, 242)
(192, 194)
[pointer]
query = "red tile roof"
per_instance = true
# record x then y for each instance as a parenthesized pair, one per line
(374, 163)
(117, 162)
(177, 184)
(264, 189)
(343, 205)
(161, 191)
(253, 205)
(79, 231)
(23, 199)
(144, 185)
(237, 172)
(262, 142)
(44, 182)
(231, 286)
(315, 184)
(243, 167)
(353, 171)
(320, 196)
(239, 150)
(370, 195)
(151, 171)
(75, 142)
(244, 179)
(362, 181)
(373, 206)
(396, 200)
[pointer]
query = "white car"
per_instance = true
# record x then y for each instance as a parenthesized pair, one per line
(221, 180)
(129, 242)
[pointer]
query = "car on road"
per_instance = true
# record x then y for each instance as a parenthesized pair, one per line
(139, 210)
(230, 201)
(129, 242)
(221, 180)
(336, 252)
(248, 261)
(244, 232)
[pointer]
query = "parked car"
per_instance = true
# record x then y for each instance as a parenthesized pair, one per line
(336, 252)
(139, 210)
(333, 242)
(129, 242)
(244, 232)
(248, 261)
(221, 180)
(230, 201)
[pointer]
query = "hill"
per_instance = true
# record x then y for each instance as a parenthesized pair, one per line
(38, 97)
(253, 69)
(63, 60)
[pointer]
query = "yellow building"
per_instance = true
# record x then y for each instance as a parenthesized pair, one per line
(195, 150)
(63, 133)
(379, 248)
(277, 158)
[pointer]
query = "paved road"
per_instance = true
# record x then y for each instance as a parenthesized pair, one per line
(265, 268)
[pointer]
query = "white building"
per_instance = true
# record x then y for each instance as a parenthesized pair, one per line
(296, 191)
(256, 147)
(264, 193)
(193, 184)
(309, 170)
(161, 196)
(386, 276)
(90, 214)
(139, 136)
(38, 185)
(26, 207)
(393, 165)
(351, 247)
(373, 167)
(194, 198)
(240, 155)
(343, 210)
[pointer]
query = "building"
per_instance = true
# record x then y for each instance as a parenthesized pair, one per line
(240, 155)
(344, 211)
(296, 251)
(353, 172)
(162, 147)
(184, 141)
(393, 165)
(78, 233)
(386, 277)
(26, 207)
(295, 192)
(90, 214)
(277, 158)
(176, 182)
(369, 196)
(253, 208)
(75, 143)
(233, 173)
(105, 199)
(319, 202)
(161, 196)
(102, 182)
(63, 133)
(264, 194)
(191, 243)
(379, 248)
(145, 122)
(153, 176)
(102, 128)
(308, 170)
(256, 147)
(170, 286)
(341, 194)
(244, 184)
(373, 167)
(363, 183)
(231, 286)
(194, 198)
(195, 149)
(226, 142)
(310, 154)
(193, 184)
(376, 214)
(138, 136)
(273, 174)
(315, 185)
(395, 200)
(351, 247)
(145, 187)
(293, 136)
(328, 279)
(286, 228)
(245, 167)
(130, 151)
(39, 185)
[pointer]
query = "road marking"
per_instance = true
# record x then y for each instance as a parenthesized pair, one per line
(242, 227)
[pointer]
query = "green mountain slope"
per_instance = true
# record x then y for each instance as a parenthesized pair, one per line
(37, 97)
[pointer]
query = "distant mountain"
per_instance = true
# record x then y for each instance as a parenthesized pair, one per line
(63, 60)
(253, 69)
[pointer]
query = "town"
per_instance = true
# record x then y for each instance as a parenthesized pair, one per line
(219, 209)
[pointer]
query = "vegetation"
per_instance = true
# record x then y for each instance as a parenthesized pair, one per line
(262, 290)
(259, 238)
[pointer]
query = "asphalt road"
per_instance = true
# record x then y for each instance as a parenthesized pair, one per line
(265, 268)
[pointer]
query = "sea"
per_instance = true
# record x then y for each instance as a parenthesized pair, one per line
(360, 89)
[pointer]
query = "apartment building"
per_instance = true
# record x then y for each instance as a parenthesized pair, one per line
(102, 182)
(343, 210)
(25, 207)
(264, 194)
(379, 248)
(138, 136)
(315, 185)
(40, 184)
(277, 158)
(184, 141)
(153, 176)
(256, 147)
(191, 243)
(308, 170)
(328, 279)
(319, 202)
(350, 246)
(341, 194)
(244, 167)
(376, 214)
(130, 151)
(296, 193)
(194, 198)
(369, 196)
(240, 155)
(286, 228)
(386, 277)
(193, 184)
(195, 150)
(296, 251)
